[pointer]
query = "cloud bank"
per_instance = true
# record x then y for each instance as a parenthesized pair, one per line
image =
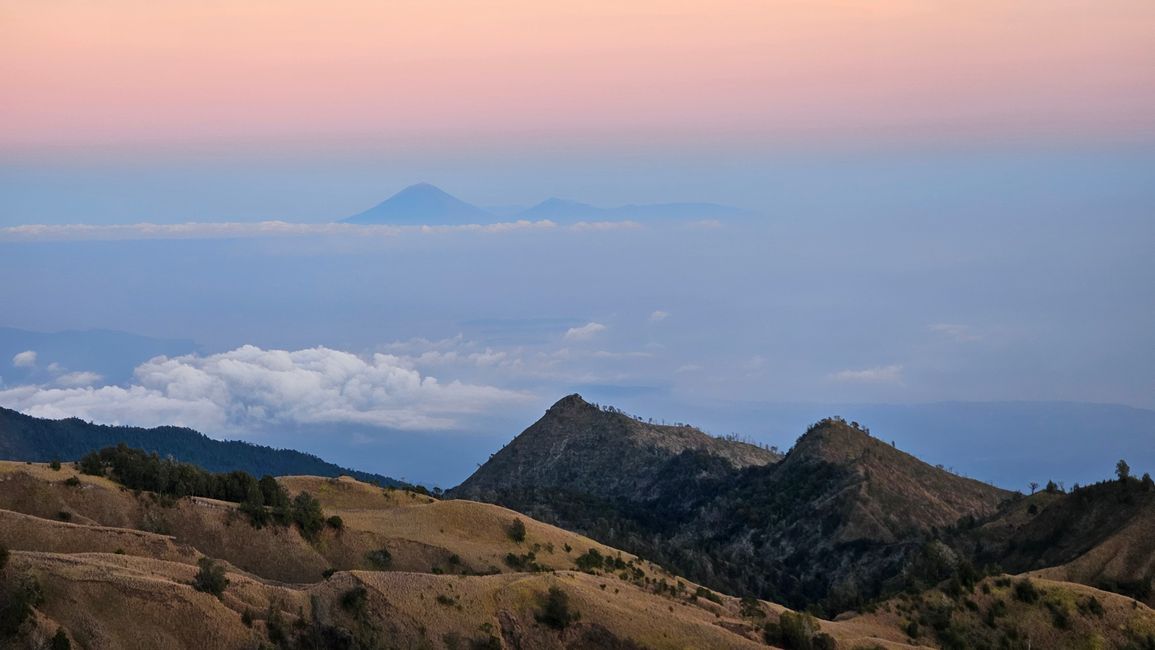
(230, 230)
(250, 388)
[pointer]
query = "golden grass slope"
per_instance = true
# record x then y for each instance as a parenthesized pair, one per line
(110, 584)
(993, 615)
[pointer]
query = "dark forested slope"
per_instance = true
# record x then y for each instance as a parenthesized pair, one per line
(23, 437)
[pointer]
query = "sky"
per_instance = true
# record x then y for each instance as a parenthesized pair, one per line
(949, 202)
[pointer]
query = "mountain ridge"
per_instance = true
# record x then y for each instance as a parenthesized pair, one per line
(832, 521)
(426, 204)
(574, 430)
(27, 438)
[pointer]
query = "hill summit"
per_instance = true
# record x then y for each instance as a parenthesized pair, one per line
(584, 448)
(834, 522)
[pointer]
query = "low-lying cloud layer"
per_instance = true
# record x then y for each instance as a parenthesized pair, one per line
(250, 388)
(228, 230)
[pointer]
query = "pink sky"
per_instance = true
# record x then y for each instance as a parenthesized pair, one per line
(142, 72)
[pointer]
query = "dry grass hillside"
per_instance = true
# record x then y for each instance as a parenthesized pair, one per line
(449, 582)
(1019, 612)
(1101, 535)
(454, 578)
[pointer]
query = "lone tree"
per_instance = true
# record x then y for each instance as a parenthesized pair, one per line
(517, 531)
(1034, 486)
(210, 577)
(556, 613)
(308, 515)
(1122, 470)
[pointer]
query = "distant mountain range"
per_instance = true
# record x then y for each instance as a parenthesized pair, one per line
(425, 204)
(27, 438)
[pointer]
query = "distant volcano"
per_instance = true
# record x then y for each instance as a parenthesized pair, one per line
(422, 204)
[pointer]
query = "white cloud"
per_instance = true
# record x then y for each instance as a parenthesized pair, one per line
(879, 375)
(659, 315)
(605, 225)
(585, 332)
(25, 359)
(219, 230)
(196, 230)
(251, 388)
(960, 333)
(74, 379)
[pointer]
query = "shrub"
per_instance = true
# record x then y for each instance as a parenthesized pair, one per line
(275, 626)
(60, 640)
(1059, 616)
(750, 607)
(527, 562)
(516, 531)
(3, 556)
(64, 515)
(92, 465)
(912, 629)
(354, 600)
(1026, 591)
(379, 559)
(589, 561)
(72, 481)
(335, 522)
(254, 508)
(247, 618)
(210, 577)
(448, 601)
(555, 611)
(702, 592)
(16, 603)
(55, 465)
(1091, 606)
(797, 631)
(307, 515)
